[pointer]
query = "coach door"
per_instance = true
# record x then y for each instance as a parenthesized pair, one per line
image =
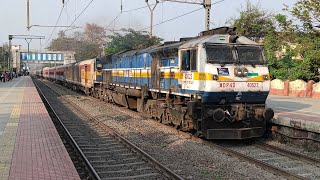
(155, 74)
(188, 67)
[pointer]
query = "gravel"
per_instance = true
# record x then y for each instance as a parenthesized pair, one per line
(306, 150)
(189, 159)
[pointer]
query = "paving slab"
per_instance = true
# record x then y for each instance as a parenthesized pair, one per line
(30, 146)
(300, 113)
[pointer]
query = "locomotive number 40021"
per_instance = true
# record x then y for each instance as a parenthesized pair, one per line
(253, 85)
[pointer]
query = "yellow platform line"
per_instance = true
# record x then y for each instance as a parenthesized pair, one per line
(8, 138)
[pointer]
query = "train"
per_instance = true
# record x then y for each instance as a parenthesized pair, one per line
(214, 85)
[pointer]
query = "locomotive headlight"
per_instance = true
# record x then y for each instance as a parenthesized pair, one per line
(244, 72)
(266, 77)
(215, 77)
(237, 72)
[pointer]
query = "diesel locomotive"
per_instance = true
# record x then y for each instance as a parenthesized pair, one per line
(215, 84)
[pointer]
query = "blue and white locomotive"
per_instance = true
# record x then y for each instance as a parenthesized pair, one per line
(215, 84)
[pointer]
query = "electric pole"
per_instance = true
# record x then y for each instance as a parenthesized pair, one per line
(10, 56)
(151, 14)
(28, 39)
(206, 4)
(28, 15)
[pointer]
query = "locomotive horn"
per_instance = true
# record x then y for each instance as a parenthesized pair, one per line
(233, 38)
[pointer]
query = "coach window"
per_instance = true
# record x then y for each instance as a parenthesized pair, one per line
(189, 60)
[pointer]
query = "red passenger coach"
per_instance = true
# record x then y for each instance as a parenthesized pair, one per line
(78, 76)
(84, 75)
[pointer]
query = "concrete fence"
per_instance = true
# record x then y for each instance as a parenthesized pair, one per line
(297, 88)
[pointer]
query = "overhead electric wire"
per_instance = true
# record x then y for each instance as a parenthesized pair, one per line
(172, 18)
(126, 11)
(79, 15)
(143, 7)
(179, 16)
(64, 5)
(113, 20)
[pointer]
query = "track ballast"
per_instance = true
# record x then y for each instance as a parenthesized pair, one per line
(109, 155)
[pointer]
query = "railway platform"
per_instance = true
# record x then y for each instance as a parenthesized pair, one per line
(296, 112)
(30, 146)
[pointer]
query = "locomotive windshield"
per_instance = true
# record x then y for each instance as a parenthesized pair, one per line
(220, 54)
(250, 55)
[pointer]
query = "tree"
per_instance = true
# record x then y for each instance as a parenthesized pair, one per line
(307, 12)
(130, 40)
(253, 22)
(61, 34)
(95, 34)
(87, 44)
(4, 54)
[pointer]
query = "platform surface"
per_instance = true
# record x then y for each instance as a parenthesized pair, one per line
(30, 146)
(303, 113)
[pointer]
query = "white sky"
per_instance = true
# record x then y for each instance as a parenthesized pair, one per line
(46, 12)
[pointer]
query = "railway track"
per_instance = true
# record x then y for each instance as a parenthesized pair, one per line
(288, 164)
(279, 161)
(106, 153)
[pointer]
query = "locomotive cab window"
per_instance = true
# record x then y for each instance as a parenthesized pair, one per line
(189, 60)
(99, 67)
(220, 55)
(250, 55)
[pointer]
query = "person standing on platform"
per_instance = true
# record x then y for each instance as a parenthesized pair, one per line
(6, 76)
(1, 77)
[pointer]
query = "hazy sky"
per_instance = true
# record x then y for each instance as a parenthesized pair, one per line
(46, 12)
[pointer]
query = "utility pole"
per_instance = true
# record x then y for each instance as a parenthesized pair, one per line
(151, 14)
(206, 4)
(28, 15)
(26, 38)
(10, 57)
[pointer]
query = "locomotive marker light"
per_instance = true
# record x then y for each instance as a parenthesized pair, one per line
(266, 77)
(215, 77)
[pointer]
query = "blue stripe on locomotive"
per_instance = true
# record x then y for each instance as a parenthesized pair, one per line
(230, 97)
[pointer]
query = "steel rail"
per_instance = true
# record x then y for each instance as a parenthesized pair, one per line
(121, 138)
(92, 171)
(232, 153)
(263, 165)
(299, 138)
(293, 155)
(236, 154)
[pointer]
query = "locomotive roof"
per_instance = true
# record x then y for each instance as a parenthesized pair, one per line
(215, 39)
(215, 36)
